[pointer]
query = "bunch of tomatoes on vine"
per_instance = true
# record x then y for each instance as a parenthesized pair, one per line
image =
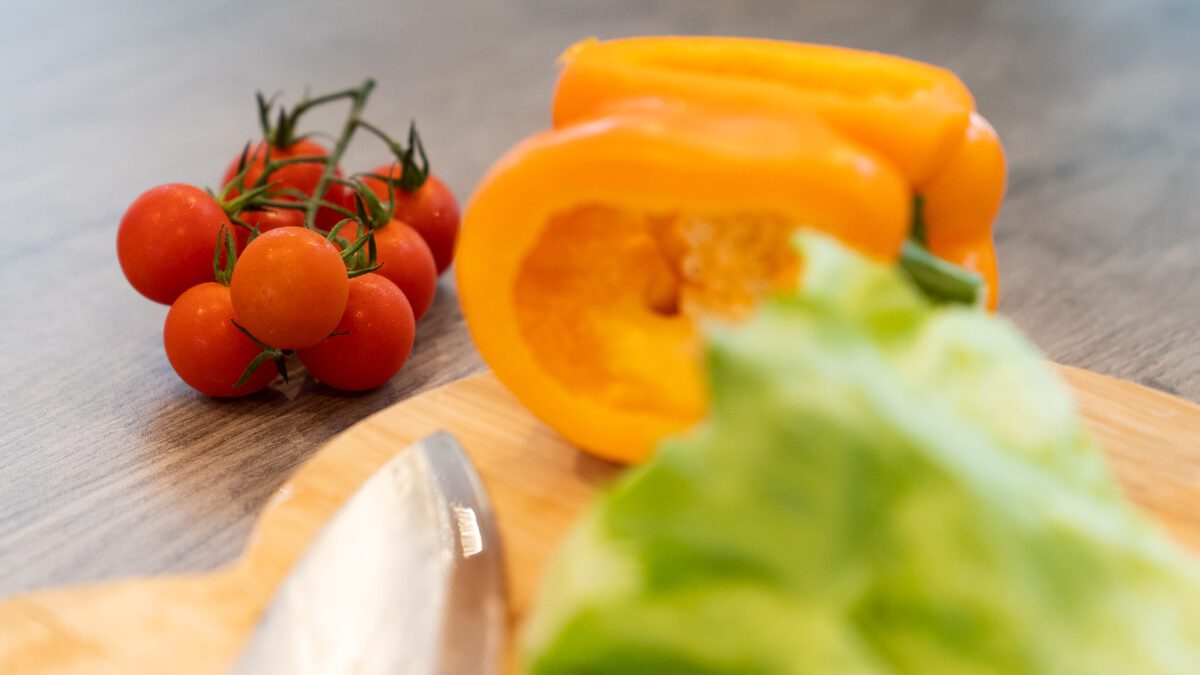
(292, 258)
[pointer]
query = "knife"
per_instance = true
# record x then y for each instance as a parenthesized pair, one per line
(406, 577)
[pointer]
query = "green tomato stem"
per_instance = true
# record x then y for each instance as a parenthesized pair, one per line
(352, 123)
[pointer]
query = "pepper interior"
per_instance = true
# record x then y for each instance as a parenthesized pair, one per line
(609, 298)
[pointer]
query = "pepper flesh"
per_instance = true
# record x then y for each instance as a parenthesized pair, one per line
(589, 252)
(918, 116)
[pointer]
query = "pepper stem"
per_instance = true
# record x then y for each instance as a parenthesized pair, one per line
(917, 229)
(938, 279)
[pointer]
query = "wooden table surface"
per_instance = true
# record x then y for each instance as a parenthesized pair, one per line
(110, 466)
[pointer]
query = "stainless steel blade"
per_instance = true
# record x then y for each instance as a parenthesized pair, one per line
(405, 578)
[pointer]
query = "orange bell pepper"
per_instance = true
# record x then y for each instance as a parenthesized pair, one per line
(962, 201)
(589, 252)
(918, 116)
(910, 112)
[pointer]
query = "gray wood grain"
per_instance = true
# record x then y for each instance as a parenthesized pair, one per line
(109, 466)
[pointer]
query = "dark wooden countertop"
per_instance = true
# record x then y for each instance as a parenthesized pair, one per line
(110, 466)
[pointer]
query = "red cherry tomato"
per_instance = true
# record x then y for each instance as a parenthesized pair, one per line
(289, 287)
(166, 240)
(270, 219)
(407, 262)
(371, 342)
(204, 347)
(303, 176)
(340, 195)
(431, 210)
(267, 219)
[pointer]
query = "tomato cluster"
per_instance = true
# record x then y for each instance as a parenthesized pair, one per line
(292, 258)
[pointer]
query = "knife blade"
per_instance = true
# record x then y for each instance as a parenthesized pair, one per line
(405, 578)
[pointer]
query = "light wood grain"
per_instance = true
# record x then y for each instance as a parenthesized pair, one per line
(110, 467)
(538, 484)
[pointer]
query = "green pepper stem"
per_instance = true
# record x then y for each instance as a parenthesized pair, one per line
(917, 230)
(938, 279)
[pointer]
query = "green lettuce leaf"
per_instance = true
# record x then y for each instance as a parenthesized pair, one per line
(883, 486)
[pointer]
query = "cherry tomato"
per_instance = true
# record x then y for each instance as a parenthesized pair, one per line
(289, 287)
(303, 177)
(405, 259)
(343, 197)
(431, 210)
(267, 220)
(370, 343)
(407, 262)
(204, 347)
(166, 240)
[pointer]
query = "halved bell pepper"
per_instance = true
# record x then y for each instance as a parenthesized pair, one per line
(590, 251)
(918, 116)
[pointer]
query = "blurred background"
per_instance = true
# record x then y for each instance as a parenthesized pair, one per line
(1097, 101)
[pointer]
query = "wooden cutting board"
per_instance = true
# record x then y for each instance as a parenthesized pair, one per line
(538, 484)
